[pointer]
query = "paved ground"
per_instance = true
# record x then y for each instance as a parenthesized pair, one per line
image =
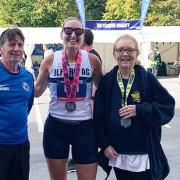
(170, 137)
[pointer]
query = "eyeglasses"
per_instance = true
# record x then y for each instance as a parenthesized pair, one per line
(69, 31)
(129, 51)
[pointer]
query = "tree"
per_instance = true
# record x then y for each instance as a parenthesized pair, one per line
(94, 9)
(132, 9)
(36, 13)
(13, 12)
(51, 13)
(164, 13)
(48, 13)
(160, 12)
(114, 9)
(122, 9)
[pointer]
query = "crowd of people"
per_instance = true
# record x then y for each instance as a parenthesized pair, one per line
(123, 120)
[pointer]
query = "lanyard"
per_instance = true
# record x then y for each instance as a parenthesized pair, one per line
(125, 92)
(71, 89)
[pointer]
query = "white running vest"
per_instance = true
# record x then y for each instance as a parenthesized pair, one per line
(57, 108)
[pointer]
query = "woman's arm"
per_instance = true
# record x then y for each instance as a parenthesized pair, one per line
(158, 108)
(43, 78)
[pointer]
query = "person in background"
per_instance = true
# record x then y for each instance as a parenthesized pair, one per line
(16, 100)
(155, 60)
(151, 61)
(47, 51)
(87, 45)
(70, 74)
(130, 107)
(157, 55)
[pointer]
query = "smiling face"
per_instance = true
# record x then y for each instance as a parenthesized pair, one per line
(126, 52)
(72, 34)
(12, 51)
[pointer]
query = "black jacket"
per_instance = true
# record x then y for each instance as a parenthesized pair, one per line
(156, 109)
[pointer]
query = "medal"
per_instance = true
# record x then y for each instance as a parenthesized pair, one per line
(125, 93)
(125, 122)
(70, 106)
(71, 82)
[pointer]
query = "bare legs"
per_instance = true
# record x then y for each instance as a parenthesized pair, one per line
(86, 171)
(58, 170)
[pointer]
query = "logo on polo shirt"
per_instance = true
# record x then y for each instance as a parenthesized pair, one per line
(4, 87)
(25, 86)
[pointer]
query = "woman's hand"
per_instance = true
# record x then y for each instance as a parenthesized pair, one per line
(128, 111)
(110, 153)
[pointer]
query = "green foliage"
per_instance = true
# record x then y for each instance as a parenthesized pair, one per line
(132, 9)
(51, 13)
(160, 12)
(114, 9)
(36, 13)
(94, 9)
(122, 9)
(17, 13)
(164, 13)
(48, 13)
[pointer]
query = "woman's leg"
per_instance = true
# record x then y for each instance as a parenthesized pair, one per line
(86, 171)
(57, 168)
(56, 148)
(84, 150)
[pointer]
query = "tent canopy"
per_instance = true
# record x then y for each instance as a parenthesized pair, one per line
(144, 36)
(152, 34)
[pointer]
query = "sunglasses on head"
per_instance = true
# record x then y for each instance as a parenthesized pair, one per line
(69, 31)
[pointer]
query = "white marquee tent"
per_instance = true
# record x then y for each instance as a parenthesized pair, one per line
(104, 39)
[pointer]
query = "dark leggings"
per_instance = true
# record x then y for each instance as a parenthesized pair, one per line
(128, 175)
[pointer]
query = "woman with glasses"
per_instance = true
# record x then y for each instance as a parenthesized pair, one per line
(70, 74)
(130, 108)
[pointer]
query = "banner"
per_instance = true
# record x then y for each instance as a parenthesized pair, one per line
(144, 8)
(80, 5)
(113, 25)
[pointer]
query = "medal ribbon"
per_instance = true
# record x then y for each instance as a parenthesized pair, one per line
(71, 89)
(128, 88)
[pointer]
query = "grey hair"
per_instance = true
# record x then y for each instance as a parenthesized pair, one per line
(10, 34)
(127, 36)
